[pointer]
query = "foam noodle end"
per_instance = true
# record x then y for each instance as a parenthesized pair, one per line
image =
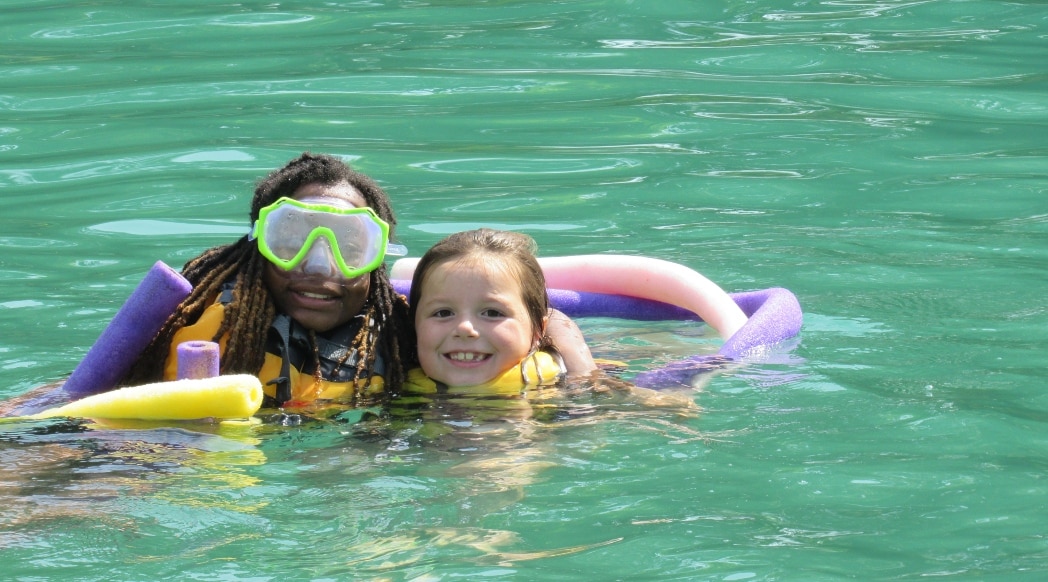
(222, 397)
(198, 359)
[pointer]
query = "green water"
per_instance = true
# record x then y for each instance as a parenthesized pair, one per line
(885, 161)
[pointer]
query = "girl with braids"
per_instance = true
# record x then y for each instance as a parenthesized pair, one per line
(304, 301)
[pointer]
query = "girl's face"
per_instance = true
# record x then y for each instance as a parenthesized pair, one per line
(471, 323)
(315, 293)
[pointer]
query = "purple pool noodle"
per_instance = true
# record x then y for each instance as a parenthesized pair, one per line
(198, 360)
(583, 304)
(37, 400)
(774, 315)
(679, 374)
(130, 331)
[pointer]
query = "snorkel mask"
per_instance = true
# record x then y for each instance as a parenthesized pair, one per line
(357, 238)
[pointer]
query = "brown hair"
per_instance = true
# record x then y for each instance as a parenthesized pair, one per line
(251, 312)
(516, 251)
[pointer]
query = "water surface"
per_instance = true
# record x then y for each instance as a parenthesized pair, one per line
(885, 161)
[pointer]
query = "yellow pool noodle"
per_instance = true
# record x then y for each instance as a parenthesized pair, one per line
(222, 397)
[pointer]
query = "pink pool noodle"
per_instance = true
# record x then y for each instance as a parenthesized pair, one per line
(130, 331)
(198, 360)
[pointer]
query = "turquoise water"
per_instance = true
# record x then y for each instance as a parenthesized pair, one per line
(885, 161)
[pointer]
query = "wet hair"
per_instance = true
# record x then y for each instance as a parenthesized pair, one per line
(513, 251)
(251, 312)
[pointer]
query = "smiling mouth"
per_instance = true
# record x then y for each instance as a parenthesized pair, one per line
(311, 295)
(467, 356)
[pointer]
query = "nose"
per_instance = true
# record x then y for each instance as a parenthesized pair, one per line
(319, 260)
(465, 328)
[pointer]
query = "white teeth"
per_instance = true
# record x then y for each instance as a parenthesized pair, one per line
(314, 295)
(467, 356)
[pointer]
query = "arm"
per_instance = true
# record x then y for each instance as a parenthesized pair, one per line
(568, 339)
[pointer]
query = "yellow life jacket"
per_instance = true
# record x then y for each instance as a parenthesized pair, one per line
(305, 389)
(538, 369)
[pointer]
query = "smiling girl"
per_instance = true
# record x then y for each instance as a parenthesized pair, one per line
(481, 312)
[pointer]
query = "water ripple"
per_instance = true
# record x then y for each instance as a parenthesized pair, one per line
(166, 228)
(895, 41)
(526, 166)
(149, 28)
(445, 228)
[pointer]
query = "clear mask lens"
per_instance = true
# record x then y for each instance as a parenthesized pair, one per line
(288, 229)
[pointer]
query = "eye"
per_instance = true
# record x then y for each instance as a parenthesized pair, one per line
(442, 313)
(492, 312)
